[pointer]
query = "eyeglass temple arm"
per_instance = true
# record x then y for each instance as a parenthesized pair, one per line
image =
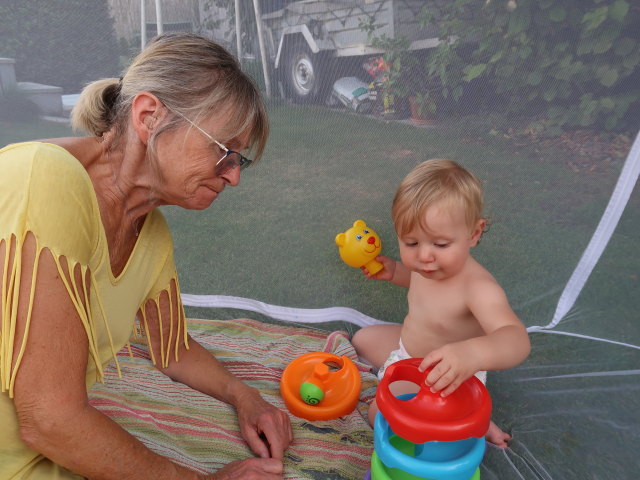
(222, 147)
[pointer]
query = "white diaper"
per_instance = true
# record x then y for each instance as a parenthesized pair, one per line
(401, 354)
(395, 356)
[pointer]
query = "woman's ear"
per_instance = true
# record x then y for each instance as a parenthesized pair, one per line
(145, 111)
(477, 231)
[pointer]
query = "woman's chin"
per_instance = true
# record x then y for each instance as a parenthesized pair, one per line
(201, 201)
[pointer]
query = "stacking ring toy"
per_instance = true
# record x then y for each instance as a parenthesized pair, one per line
(320, 386)
(425, 435)
(429, 416)
(394, 456)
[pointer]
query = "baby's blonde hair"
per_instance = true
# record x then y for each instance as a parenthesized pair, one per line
(190, 75)
(434, 181)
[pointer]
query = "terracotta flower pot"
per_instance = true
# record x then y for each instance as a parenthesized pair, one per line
(419, 117)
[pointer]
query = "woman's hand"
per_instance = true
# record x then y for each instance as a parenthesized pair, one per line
(249, 469)
(265, 428)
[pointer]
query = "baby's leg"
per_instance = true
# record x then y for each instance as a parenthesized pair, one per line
(497, 436)
(376, 342)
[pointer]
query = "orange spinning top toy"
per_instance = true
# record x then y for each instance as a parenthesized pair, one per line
(320, 386)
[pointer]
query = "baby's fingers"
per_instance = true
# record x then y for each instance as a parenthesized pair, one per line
(368, 274)
(431, 359)
(439, 378)
(451, 388)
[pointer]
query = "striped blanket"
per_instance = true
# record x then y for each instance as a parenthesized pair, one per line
(200, 432)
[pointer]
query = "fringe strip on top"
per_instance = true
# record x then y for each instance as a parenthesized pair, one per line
(79, 295)
(173, 340)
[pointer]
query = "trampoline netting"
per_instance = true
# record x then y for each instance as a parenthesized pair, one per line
(539, 99)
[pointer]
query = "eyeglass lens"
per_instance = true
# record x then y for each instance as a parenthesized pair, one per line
(230, 161)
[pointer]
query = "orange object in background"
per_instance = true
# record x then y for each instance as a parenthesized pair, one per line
(337, 376)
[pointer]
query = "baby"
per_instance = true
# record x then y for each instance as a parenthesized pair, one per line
(459, 319)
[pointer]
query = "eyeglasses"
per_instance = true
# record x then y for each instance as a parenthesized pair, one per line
(230, 160)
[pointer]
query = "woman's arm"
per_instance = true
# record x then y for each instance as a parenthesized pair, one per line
(266, 429)
(50, 395)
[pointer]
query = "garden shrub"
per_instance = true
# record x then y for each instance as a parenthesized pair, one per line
(572, 63)
(66, 43)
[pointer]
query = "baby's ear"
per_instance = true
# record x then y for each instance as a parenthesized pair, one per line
(477, 231)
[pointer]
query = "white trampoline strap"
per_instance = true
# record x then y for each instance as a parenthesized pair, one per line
(300, 315)
(619, 199)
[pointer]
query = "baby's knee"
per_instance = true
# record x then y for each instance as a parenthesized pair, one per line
(359, 340)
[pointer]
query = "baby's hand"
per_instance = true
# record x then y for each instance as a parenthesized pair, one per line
(389, 268)
(453, 364)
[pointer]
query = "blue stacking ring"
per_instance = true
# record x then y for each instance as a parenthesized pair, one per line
(447, 467)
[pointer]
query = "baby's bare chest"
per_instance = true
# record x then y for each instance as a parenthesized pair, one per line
(435, 301)
(437, 316)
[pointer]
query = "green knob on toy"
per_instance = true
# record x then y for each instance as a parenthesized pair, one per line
(311, 393)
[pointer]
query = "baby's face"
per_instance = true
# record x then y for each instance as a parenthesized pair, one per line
(439, 248)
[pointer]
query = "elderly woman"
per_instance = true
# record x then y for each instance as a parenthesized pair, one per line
(84, 251)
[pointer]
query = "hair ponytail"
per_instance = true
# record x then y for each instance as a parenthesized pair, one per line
(95, 110)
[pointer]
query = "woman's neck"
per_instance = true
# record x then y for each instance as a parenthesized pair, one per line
(127, 179)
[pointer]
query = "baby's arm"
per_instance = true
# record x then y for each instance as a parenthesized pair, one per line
(393, 271)
(504, 345)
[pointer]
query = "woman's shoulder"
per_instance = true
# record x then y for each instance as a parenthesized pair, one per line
(35, 166)
(48, 193)
(26, 155)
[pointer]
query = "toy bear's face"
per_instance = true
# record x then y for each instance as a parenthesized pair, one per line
(359, 244)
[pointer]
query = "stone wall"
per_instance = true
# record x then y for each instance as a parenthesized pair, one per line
(47, 98)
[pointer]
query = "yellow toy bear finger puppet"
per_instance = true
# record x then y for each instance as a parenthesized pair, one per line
(359, 246)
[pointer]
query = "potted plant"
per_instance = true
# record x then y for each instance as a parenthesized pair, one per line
(423, 93)
(423, 108)
(392, 69)
(403, 83)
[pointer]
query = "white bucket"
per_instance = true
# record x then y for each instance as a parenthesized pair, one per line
(353, 93)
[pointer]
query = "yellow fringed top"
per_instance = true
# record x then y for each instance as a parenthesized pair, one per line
(46, 192)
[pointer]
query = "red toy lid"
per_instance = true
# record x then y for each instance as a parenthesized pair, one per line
(428, 416)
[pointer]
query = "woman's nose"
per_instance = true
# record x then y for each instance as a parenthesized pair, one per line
(232, 177)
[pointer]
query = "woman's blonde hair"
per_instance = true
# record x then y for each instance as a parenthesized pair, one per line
(434, 181)
(191, 75)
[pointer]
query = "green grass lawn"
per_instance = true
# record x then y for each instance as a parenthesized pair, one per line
(272, 238)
